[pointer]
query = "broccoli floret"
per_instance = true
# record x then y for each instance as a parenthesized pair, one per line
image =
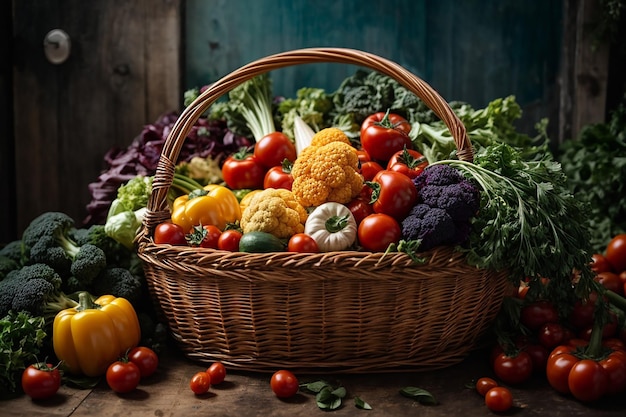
(35, 289)
(116, 253)
(119, 282)
(48, 239)
(7, 265)
(432, 226)
(15, 250)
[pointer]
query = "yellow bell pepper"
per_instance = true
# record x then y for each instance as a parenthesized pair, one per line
(213, 205)
(94, 334)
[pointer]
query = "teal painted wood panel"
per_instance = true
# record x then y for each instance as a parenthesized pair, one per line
(472, 50)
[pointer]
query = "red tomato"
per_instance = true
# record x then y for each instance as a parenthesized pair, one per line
(363, 156)
(145, 358)
(599, 263)
(615, 366)
(377, 231)
(243, 170)
(582, 313)
(284, 384)
(370, 169)
(217, 372)
(551, 335)
(393, 194)
(499, 399)
(229, 240)
(205, 236)
(513, 369)
(278, 177)
(539, 356)
(483, 385)
(408, 162)
(360, 209)
(272, 149)
(200, 383)
(616, 253)
(303, 243)
(123, 377)
(41, 380)
(168, 232)
(587, 380)
(610, 281)
(383, 134)
(538, 313)
(560, 363)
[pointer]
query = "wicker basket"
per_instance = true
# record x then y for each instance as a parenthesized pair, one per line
(329, 312)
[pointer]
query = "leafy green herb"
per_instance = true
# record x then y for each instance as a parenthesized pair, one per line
(359, 403)
(420, 395)
(328, 397)
(21, 339)
(529, 223)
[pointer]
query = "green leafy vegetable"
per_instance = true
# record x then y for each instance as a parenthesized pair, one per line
(595, 166)
(21, 340)
(312, 105)
(420, 395)
(327, 396)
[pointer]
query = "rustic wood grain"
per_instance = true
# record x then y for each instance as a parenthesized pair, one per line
(123, 71)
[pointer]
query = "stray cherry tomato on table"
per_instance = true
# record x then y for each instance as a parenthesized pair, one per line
(123, 376)
(41, 380)
(483, 385)
(499, 399)
(217, 372)
(229, 240)
(145, 358)
(168, 232)
(383, 134)
(272, 149)
(303, 243)
(200, 383)
(284, 384)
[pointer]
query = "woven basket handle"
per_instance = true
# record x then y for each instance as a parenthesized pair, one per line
(157, 205)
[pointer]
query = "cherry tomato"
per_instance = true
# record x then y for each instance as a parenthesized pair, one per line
(145, 358)
(272, 149)
(303, 243)
(513, 369)
(599, 263)
(363, 156)
(483, 385)
(408, 162)
(377, 231)
(360, 209)
(393, 194)
(499, 399)
(582, 313)
(278, 177)
(616, 253)
(284, 384)
(539, 357)
(217, 372)
(538, 313)
(242, 170)
(200, 383)
(41, 380)
(383, 134)
(610, 281)
(551, 335)
(168, 232)
(587, 380)
(123, 376)
(205, 236)
(229, 240)
(369, 170)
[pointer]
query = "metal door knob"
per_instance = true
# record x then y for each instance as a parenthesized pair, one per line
(57, 46)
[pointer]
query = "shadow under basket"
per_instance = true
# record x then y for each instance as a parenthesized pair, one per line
(348, 311)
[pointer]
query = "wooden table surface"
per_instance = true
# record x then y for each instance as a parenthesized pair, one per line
(244, 394)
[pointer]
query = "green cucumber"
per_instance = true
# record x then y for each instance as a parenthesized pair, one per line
(261, 242)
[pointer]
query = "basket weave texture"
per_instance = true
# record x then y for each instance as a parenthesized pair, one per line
(343, 311)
